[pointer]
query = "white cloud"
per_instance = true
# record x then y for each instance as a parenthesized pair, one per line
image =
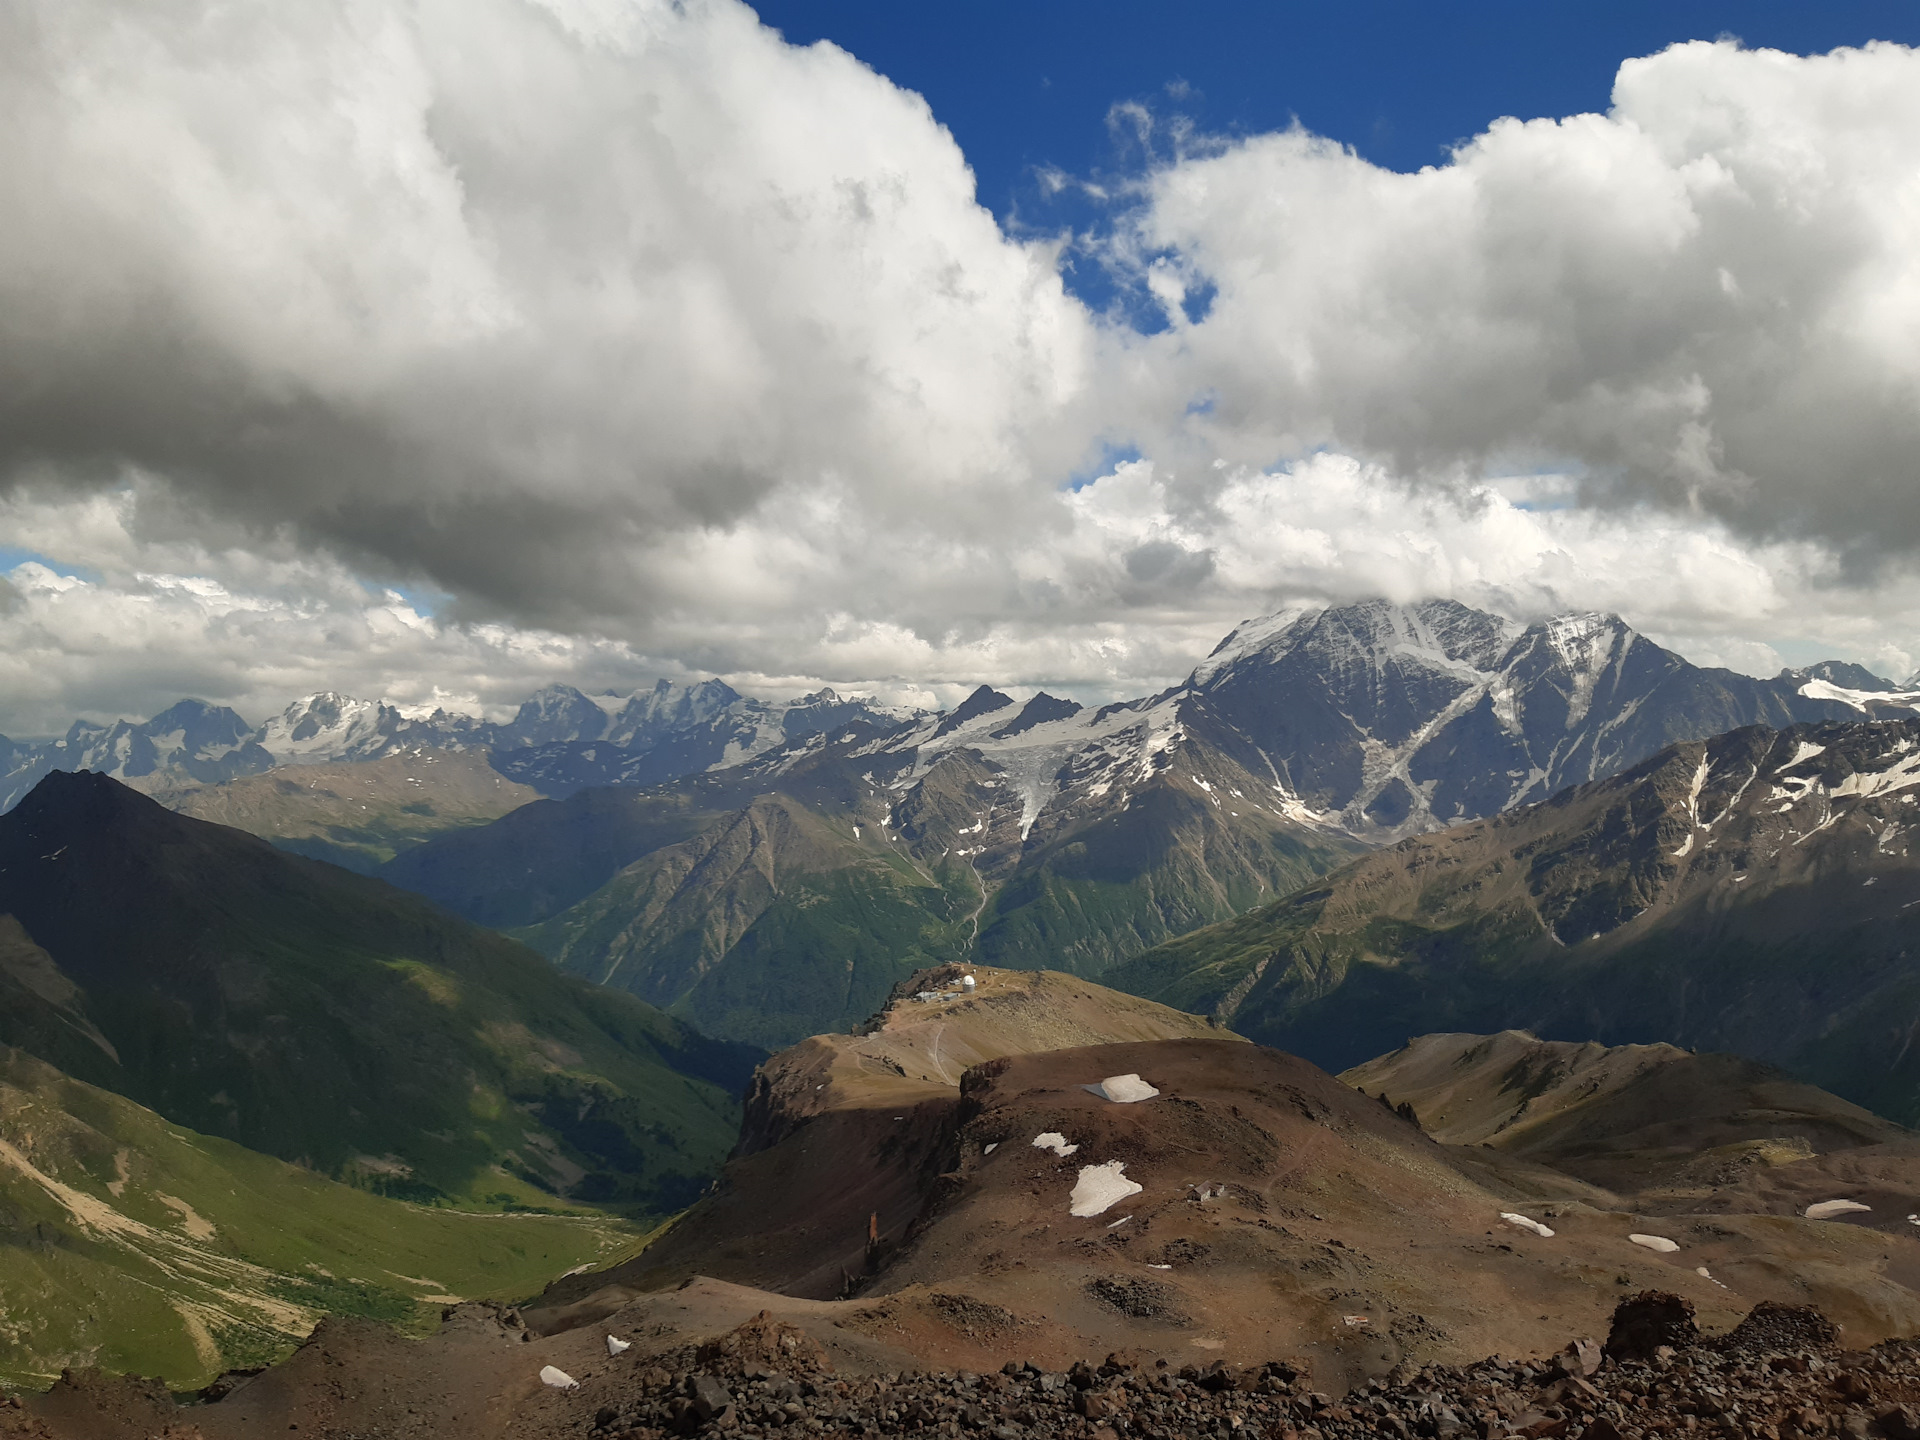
(511, 293)
(1708, 298)
(649, 344)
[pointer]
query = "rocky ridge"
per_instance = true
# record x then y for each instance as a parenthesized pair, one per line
(1780, 1372)
(1753, 893)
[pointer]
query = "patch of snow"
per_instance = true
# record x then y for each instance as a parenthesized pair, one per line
(615, 1345)
(1655, 1242)
(1693, 790)
(1804, 752)
(1827, 1209)
(1053, 1140)
(1585, 644)
(1901, 775)
(1122, 1089)
(1861, 700)
(1101, 1187)
(557, 1378)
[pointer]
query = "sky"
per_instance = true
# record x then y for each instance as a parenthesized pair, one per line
(438, 351)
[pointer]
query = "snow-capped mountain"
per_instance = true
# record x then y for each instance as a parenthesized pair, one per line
(664, 733)
(329, 728)
(1046, 833)
(1380, 720)
(188, 743)
(1755, 892)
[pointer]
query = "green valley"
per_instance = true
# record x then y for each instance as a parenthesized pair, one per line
(136, 1245)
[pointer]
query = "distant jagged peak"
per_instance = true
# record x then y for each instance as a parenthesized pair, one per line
(676, 703)
(1040, 710)
(1846, 675)
(1251, 636)
(983, 701)
(326, 708)
(1585, 639)
(194, 716)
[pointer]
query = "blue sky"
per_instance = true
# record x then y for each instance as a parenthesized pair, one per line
(1025, 85)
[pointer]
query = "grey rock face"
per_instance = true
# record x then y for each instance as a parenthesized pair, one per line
(1393, 719)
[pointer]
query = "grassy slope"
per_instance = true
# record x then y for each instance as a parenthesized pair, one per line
(543, 857)
(776, 923)
(135, 1245)
(1126, 882)
(795, 913)
(360, 815)
(330, 1019)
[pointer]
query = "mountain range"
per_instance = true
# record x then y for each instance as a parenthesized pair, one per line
(784, 895)
(767, 870)
(559, 740)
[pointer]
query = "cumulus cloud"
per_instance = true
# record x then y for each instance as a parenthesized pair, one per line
(646, 343)
(1708, 298)
(511, 293)
(1119, 599)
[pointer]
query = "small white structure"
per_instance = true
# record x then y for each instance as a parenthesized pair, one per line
(557, 1378)
(1655, 1242)
(967, 982)
(1102, 1186)
(1827, 1209)
(1526, 1223)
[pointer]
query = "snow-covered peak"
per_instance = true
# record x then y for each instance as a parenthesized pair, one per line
(1266, 632)
(1433, 634)
(1584, 641)
(325, 727)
